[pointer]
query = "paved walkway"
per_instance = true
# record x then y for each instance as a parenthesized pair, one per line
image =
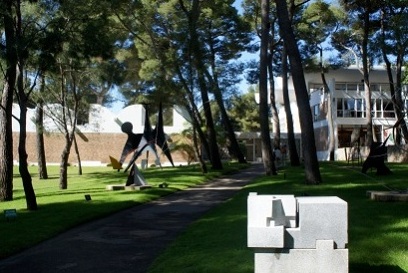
(130, 240)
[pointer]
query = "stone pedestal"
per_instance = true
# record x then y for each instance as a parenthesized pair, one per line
(298, 234)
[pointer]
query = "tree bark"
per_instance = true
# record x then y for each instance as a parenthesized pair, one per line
(42, 163)
(197, 151)
(193, 16)
(267, 153)
(293, 152)
(78, 155)
(193, 112)
(6, 141)
(367, 89)
(328, 92)
(395, 88)
(228, 126)
(312, 171)
(6, 111)
(234, 146)
(63, 174)
(31, 199)
(274, 109)
(272, 46)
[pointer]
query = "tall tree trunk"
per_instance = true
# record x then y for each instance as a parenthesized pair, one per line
(398, 103)
(234, 146)
(6, 140)
(69, 138)
(63, 174)
(395, 88)
(215, 157)
(201, 135)
(399, 100)
(204, 144)
(31, 200)
(275, 115)
(194, 115)
(193, 16)
(41, 159)
(367, 89)
(293, 152)
(272, 47)
(79, 156)
(197, 152)
(6, 110)
(332, 138)
(267, 153)
(39, 122)
(328, 92)
(227, 124)
(312, 171)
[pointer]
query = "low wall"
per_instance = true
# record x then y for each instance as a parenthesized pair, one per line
(397, 153)
(94, 148)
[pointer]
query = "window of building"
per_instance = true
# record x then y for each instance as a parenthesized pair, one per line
(349, 107)
(316, 112)
(375, 87)
(350, 87)
(359, 110)
(377, 106)
(339, 108)
(341, 87)
(388, 109)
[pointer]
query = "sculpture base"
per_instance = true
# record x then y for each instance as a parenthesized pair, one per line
(388, 196)
(127, 188)
(323, 259)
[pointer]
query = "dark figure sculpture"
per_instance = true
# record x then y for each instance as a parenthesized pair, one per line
(376, 157)
(132, 145)
(137, 143)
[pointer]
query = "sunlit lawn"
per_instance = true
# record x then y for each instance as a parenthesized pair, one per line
(378, 231)
(59, 210)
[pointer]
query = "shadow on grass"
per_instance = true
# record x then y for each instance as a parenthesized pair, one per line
(52, 219)
(377, 230)
(367, 268)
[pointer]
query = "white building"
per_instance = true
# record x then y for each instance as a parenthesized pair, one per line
(103, 120)
(99, 133)
(347, 109)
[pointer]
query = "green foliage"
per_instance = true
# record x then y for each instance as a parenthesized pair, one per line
(183, 143)
(318, 22)
(244, 112)
(378, 241)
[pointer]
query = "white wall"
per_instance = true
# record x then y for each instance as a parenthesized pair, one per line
(101, 120)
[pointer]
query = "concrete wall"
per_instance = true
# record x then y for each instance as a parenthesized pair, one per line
(94, 149)
(98, 139)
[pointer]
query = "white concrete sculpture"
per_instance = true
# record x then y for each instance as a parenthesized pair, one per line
(298, 234)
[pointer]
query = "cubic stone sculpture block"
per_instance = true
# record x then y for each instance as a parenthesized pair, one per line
(302, 234)
(267, 225)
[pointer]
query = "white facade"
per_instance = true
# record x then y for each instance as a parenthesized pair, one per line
(347, 107)
(101, 120)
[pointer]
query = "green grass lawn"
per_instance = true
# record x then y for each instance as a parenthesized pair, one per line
(59, 210)
(378, 231)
